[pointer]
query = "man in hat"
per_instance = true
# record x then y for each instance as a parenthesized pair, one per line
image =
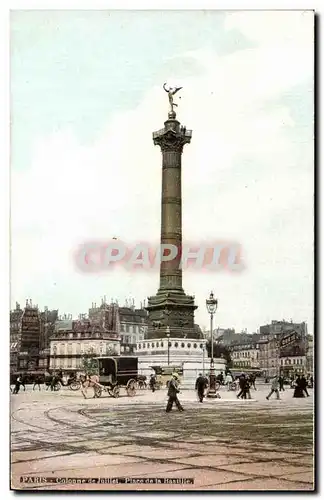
(201, 385)
(173, 391)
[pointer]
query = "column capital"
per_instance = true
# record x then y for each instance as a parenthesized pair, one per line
(172, 137)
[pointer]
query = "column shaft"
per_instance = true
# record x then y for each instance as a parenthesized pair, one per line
(171, 219)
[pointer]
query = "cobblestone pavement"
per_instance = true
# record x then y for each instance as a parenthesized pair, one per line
(222, 444)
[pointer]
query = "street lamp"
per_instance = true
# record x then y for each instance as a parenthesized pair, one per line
(54, 361)
(211, 305)
(168, 336)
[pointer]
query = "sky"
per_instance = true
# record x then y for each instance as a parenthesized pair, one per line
(86, 95)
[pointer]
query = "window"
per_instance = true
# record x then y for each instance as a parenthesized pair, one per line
(161, 344)
(139, 346)
(189, 345)
(195, 346)
(157, 344)
(153, 345)
(144, 346)
(176, 344)
(182, 344)
(148, 345)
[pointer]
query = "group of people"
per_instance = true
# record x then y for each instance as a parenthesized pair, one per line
(300, 387)
(245, 383)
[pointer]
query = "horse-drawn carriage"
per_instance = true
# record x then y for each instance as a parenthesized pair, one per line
(116, 372)
(56, 381)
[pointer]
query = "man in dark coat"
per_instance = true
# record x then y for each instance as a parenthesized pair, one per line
(242, 383)
(37, 381)
(201, 384)
(173, 392)
(281, 383)
(153, 382)
(17, 385)
(303, 384)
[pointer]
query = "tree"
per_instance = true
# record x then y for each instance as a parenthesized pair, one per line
(88, 362)
(220, 351)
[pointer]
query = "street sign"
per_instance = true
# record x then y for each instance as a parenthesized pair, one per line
(290, 338)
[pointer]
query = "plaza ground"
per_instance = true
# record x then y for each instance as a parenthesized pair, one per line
(222, 444)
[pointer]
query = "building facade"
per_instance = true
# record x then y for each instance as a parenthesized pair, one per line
(293, 365)
(310, 354)
(30, 331)
(69, 348)
(245, 355)
(132, 323)
(75, 340)
(133, 328)
(274, 350)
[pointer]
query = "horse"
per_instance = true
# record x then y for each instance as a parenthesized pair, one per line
(90, 381)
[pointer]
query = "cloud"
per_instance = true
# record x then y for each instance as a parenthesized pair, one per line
(245, 177)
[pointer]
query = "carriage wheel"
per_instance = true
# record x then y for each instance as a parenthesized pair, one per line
(115, 391)
(57, 386)
(98, 392)
(131, 388)
(75, 386)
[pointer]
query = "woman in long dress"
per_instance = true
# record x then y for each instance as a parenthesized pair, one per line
(298, 392)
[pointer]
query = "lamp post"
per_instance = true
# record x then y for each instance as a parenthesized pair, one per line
(211, 305)
(203, 349)
(168, 336)
(54, 360)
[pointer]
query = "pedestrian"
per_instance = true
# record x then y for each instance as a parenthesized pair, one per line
(37, 381)
(299, 391)
(281, 383)
(201, 385)
(22, 381)
(228, 380)
(252, 381)
(241, 385)
(247, 386)
(17, 385)
(153, 382)
(303, 385)
(53, 382)
(274, 388)
(173, 392)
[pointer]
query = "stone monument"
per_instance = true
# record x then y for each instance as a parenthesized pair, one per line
(171, 309)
